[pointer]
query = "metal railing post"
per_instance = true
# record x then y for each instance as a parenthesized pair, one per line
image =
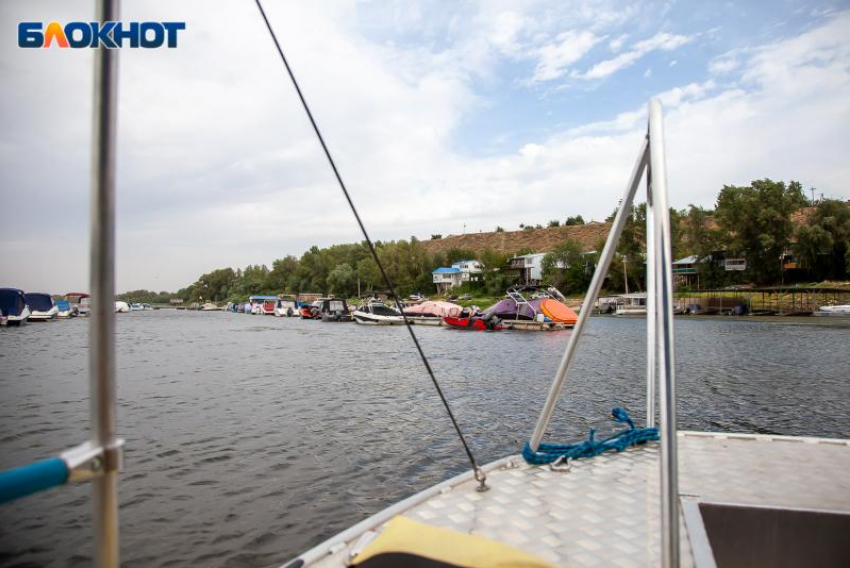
(102, 267)
(592, 292)
(651, 379)
(664, 341)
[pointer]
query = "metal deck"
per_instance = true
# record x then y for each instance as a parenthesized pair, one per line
(605, 511)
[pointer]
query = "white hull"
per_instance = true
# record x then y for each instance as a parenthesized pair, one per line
(122, 307)
(44, 316)
(19, 319)
(834, 311)
(371, 319)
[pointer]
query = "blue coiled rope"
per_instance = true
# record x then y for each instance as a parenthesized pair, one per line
(548, 453)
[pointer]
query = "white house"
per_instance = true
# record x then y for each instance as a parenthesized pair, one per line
(469, 269)
(529, 266)
(446, 278)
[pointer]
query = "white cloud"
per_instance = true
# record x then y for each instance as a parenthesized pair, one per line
(661, 41)
(218, 166)
(616, 44)
(555, 58)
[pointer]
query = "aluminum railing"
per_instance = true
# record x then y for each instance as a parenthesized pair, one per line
(99, 459)
(659, 322)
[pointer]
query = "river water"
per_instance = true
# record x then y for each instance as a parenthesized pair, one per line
(251, 439)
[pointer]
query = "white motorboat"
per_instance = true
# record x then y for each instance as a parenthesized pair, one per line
(842, 311)
(263, 305)
(136, 307)
(210, 307)
(80, 301)
(65, 309)
(42, 306)
(286, 307)
(13, 307)
(378, 313)
(121, 307)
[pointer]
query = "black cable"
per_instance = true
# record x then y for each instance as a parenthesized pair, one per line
(478, 474)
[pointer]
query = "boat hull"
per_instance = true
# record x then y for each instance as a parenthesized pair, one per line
(473, 324)
(372, 319)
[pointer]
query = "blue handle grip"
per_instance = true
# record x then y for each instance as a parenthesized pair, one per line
(32, 478)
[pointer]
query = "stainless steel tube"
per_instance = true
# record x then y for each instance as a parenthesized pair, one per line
(102, 266)
(664, 339)
(650, 304)
(589, 300)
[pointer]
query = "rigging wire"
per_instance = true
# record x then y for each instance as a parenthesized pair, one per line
(479, 475)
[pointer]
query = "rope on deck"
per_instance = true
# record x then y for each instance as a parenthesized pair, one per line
(548, 453)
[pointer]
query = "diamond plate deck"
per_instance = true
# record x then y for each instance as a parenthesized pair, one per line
(606, 510)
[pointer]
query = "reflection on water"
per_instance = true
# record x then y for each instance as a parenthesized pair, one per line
(251, 438)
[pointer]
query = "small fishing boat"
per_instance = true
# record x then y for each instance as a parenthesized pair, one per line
(378, 313)
(80, 301)
(475, 323)
(136, 307)
(65, 310)
(842, 311)
(42, 306)
(13, 306)
(210, 307)
(335, 310)
(121, 307)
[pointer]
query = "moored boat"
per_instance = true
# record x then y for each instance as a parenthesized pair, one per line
(13, 307)
(80, 301)
(474, 323)
(842, 311)
(536, 303)
(433, 309)
(377, 313)
(631, 304)
(263, 305)
(121, 307)
(64, 309)
(287, 306)
(335, 310)
(41, 306)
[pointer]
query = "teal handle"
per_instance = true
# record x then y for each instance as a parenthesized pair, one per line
(32, 478)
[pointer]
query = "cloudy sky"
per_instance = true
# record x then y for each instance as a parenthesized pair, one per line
(443, 117)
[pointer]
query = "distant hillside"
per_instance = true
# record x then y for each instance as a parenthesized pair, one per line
(537, 240)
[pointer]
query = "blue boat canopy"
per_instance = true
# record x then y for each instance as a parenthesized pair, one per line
(12, 301)
(263, 298)
(39, 302)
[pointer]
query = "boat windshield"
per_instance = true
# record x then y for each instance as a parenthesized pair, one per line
(11, 302)
(381, 310)
(39, 302)
(336, 306)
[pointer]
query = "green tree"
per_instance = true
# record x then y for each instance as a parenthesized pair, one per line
(823, 243)
(756, 223)
(554, 223)
(342, 280)
(574, 220)
(566, 268)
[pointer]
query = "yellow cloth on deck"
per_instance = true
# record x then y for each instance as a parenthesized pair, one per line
(405, 536)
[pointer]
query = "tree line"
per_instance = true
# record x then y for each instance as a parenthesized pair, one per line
(754, 222)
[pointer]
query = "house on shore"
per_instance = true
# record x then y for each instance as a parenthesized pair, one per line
(460, 272)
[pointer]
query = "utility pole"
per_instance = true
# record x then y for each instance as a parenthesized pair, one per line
(625, 275)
